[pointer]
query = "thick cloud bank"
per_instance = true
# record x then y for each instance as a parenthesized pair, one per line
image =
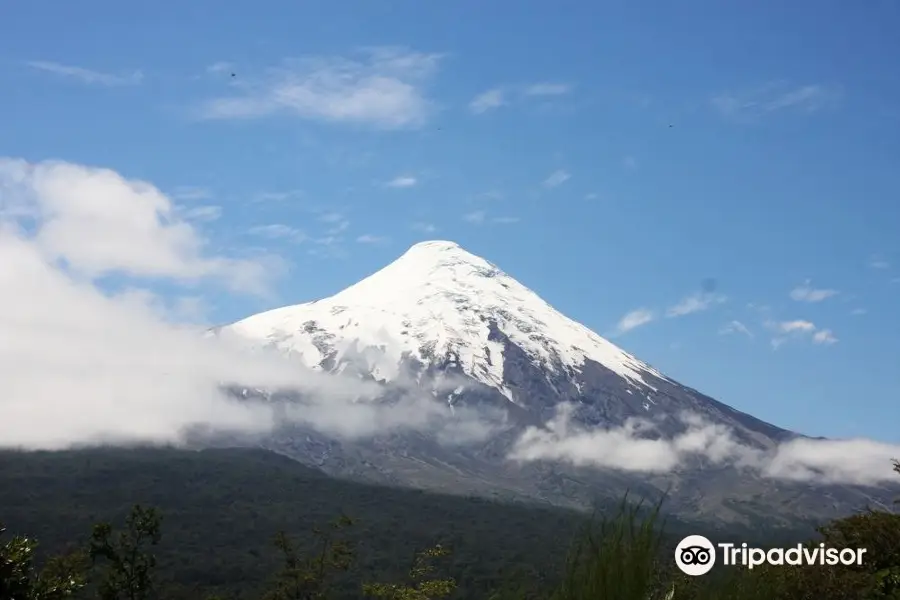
(80, 364)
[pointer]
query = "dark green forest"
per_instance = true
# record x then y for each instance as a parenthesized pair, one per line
(177, 524)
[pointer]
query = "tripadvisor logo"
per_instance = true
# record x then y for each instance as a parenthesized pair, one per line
(696, 555)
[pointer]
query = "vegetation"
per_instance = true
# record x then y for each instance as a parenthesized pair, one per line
(461, 548)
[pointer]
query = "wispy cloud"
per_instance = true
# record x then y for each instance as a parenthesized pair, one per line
(807, 293)
(278, 231)
(798, 329)
(774, 97)
(694, 303)
(858, 312)
(273, 196)
(402, 181)
(476, 216)
(878, 262)
(372, 239)
(191, 192)
(634, 319)
(220, 67)
(423, 227)
(548, 89)
(497, 97)
(733, 327)
(557, 178)
(207, 213)
(630, 163)
(486, 101)
(383, 88)
(480, 217)
(88, 76)
(825, 336)
(337, 222)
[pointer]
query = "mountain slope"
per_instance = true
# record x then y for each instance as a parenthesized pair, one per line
(439, 313)
(439, 300)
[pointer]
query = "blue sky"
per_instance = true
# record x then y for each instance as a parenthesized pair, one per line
(613, 158)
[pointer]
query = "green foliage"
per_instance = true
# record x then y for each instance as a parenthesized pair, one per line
(308, 577)
(223, 508)
(617, 559)
(421, 586)
(60, 578)
(129, 565)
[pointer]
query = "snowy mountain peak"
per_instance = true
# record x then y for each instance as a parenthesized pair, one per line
(438, 304)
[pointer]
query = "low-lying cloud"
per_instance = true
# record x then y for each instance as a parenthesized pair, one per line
(629, 448)
(85, 362)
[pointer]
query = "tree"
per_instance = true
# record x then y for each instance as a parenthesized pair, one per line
(129, 564)
(420, 587)
(306, 577)
(60, 578)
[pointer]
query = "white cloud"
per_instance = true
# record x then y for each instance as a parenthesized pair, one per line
(735, 327)
(634, 319)
(806, 293)
(694, 303)
(372, 239)
(384, 89)
(276, 196)
(878, 262)
(81, 364)
(209, 212)
(477, 217)
(799, 329)
(557, 178)
(795, 326)
(858, 312)
(99, 223)
(825, 336)
(497, 97)
(191, 192)
(548, 89)
(505, 220)
(486, 101)
(634, 447)
(278, 231)
(220, 67)
(774, 97)
(402, 181)
(87, 75)
(423, 227)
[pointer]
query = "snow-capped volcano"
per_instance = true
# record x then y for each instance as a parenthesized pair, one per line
(440, 314)
(439, 302)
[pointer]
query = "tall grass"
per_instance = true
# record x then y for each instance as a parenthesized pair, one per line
(617, 558)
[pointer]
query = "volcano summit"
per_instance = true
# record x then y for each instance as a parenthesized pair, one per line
(583, 418)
